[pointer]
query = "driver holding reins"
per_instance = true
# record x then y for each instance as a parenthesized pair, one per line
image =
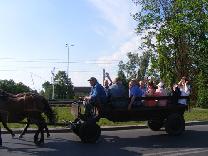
(96, 98)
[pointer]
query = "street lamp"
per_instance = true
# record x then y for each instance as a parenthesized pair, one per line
(68, 45)
(52, 79)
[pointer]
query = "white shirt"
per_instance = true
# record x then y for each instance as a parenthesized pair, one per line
(185, 91)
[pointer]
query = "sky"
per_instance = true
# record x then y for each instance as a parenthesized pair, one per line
(33, 35)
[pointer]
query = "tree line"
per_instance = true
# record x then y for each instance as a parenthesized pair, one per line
(174, 44)
(63, 87)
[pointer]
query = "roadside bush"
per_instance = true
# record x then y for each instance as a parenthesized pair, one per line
(202, 95)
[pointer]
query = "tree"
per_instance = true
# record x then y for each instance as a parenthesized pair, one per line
(13, 87)
(63, 87)
(177, 37)
(48, 89)
(135, 68)
(121, 74)
(202, 93)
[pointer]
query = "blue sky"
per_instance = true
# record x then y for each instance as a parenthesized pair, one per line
(33, 34)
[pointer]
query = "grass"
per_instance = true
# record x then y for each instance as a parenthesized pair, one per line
(195, 114)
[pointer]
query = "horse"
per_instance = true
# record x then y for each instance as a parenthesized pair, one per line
(28, 119)
(15, 108)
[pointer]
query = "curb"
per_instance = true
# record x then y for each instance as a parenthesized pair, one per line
(103, 128)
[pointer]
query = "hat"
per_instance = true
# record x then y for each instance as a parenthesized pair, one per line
(161, 84)
(92, 79)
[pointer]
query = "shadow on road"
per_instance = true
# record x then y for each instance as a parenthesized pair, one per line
(114, 145)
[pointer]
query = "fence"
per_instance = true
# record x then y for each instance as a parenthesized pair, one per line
(63, 103)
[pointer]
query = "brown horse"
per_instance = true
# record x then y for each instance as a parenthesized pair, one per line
(15, 108)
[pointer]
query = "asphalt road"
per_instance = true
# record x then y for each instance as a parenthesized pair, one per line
(113, 143)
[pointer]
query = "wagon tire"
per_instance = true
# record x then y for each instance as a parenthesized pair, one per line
(89, 132)
(175, 124)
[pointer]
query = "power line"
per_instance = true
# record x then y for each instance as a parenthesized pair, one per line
(75, 71)
(93, 61)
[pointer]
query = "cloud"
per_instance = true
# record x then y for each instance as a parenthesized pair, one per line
(123, 37)
(120, 54)
(116, 13)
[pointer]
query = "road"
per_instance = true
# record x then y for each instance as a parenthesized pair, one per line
(113, 143)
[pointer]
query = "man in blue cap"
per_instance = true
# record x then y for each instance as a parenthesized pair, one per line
(96, 98)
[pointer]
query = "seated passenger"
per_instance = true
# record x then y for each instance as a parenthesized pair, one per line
(134, 92)
(176, 93)
(118, 94)
(150, 92)
(184, 89)
(106, 88)
(160, 91)
(142, 87)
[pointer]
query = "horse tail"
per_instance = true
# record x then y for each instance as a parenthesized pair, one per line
(48, 111)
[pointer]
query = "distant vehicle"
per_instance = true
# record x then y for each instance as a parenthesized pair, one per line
(170, 116)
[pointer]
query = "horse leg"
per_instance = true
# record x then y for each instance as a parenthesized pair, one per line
(8, 129)
(47, 131)
(36, 136)
(40, 122)
(25, 129)
(41, 131)
(0, 137)
(42, 135)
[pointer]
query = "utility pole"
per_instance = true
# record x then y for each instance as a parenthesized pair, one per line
(53, 75)
(103, 76)
(68, 45)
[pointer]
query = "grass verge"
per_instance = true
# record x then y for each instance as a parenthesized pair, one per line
(195, 114)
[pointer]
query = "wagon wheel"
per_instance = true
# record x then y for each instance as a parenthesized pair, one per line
(175, 124)
(89, 132)
(155, 124)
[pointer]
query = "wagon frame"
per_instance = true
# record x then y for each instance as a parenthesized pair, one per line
(171, 117)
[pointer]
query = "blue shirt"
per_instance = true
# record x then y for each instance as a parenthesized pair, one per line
(117, 90)
(143, 91)
(98, 92)
(135, 91)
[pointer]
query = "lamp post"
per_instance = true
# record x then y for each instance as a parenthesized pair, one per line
(53, 82)
(68, 45)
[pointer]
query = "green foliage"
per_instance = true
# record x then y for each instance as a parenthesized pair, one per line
(135, 68)
(63, 87)
(121, 74)
(176, 36)
(47, 92)
(13, 87)
(202, 95)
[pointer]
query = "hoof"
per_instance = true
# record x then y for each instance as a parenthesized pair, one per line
(39, 143)
(20, 136)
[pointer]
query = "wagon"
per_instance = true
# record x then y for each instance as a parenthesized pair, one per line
(171, 117)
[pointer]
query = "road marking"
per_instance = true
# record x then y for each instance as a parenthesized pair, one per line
(178, 152)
